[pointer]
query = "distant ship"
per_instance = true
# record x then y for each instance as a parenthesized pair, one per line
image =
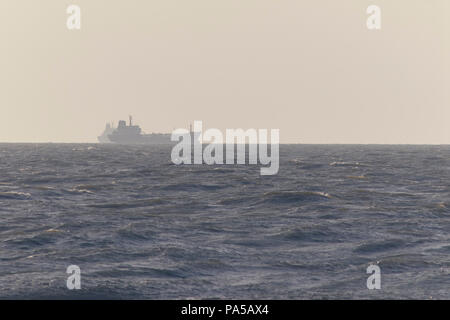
(131, 134)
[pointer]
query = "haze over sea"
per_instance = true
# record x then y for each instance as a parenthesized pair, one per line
(140, 227)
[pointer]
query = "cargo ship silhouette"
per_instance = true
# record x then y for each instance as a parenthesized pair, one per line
(131, 134)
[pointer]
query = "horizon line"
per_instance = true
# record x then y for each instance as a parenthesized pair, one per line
(281, 143)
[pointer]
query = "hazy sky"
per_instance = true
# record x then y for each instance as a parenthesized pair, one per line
(310, 68)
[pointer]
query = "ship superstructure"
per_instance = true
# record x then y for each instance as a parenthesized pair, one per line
(131, 134)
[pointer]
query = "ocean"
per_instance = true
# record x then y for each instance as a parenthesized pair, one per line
(140, 227)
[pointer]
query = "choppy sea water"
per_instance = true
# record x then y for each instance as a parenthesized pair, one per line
(140, 227)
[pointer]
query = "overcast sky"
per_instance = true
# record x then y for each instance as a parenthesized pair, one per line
(310, 68)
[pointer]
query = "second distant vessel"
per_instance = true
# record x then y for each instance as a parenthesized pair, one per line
(131, 134)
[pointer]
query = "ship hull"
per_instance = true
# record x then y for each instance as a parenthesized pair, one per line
(141, 139)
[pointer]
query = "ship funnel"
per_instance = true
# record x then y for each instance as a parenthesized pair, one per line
(130, 120)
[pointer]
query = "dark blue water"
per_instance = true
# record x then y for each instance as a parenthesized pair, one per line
(140, 227)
